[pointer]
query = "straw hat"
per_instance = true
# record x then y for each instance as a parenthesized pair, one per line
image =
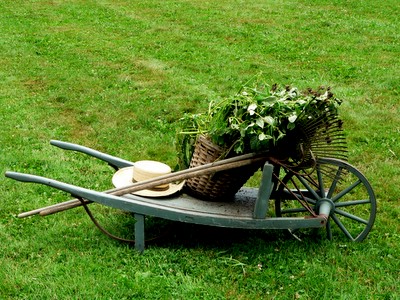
(145, 170)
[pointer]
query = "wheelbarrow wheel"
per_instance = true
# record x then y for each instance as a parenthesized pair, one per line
(346, 188)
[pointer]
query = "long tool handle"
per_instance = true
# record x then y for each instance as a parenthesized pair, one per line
(186, 174)
(57, 206)
(148, 184)
(46, 211)
(230, 163)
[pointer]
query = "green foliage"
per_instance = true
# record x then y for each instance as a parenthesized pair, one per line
(256, 119)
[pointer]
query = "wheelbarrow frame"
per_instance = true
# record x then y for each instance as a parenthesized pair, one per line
(247, 211)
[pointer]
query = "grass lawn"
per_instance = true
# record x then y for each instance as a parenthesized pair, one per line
(117, 75)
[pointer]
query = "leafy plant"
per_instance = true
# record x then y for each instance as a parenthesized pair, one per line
(258, 118)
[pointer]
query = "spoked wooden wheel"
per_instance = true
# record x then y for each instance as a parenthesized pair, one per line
(349, 192)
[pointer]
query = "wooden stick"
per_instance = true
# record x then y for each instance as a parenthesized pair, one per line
(230, 163)
(182, 175)
(60, 208)
(37, 211)
(48, 210)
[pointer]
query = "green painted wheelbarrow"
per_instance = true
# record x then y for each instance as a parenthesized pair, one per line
(334, 195)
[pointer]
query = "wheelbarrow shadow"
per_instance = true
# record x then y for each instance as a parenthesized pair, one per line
(176, 235)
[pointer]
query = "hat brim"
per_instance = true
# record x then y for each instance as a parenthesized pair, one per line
(123, 177)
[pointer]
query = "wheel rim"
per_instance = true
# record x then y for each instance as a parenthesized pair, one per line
(337, 181)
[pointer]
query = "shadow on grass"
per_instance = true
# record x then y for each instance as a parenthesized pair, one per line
(176, 235)
(172, 235)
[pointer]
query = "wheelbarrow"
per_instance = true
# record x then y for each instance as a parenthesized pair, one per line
(334, 195)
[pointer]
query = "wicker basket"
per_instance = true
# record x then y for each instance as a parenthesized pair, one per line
(220, 186)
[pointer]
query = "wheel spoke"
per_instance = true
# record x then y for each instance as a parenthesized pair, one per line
(341, 226)
(351, 203)
(351, 216)
(345, 191)
(320, 182)
(308, 187)
(300, 196)
(334, 182)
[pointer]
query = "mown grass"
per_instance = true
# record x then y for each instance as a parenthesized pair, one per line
(117, 75)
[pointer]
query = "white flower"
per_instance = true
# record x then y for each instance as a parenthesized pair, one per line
(251, 109)
(292, 118)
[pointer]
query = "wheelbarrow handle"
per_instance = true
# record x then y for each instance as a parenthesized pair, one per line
(113, 161)
(78, 192)
(216, 166)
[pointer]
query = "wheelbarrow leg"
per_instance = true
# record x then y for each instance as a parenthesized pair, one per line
(264, 192)
(139, 232)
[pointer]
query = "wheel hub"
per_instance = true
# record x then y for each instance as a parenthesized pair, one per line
(325, 207)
